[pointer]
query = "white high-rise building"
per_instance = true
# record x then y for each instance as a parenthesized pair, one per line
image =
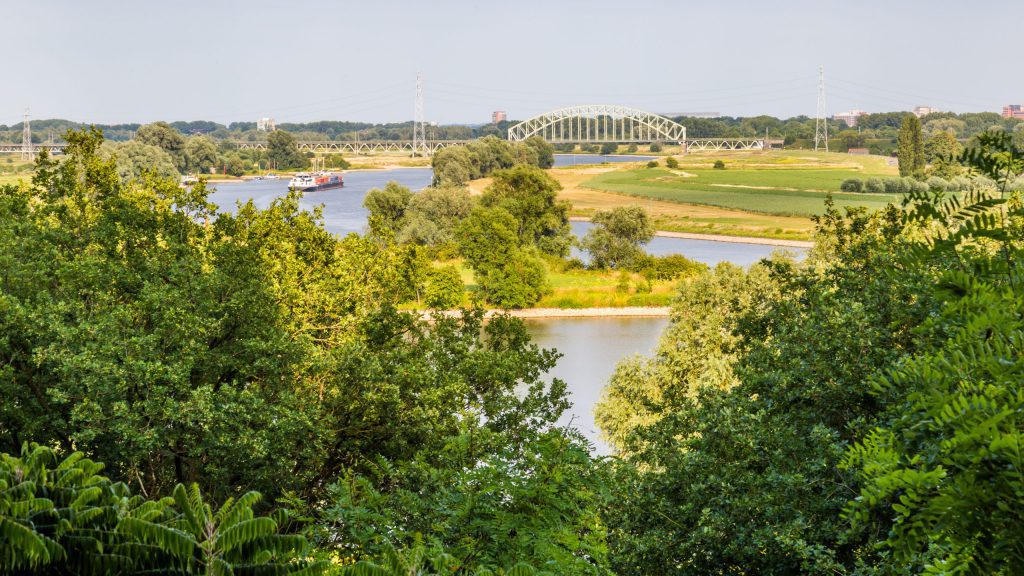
(266, 125)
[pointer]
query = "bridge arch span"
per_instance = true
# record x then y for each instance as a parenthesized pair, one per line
(597, 123)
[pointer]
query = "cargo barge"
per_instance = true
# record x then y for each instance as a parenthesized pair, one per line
(312, 182)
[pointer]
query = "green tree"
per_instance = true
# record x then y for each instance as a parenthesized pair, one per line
(433, 213)
(530, 195)
(910, 148)
(735, 429)
(545, 151)
(163, 136)
(444, 288)
(387, 208)
(609, 148)
(507, 274)
(939, 478)
(283, 151)
(133, 159)
(617, 236)
(63, 517)
(942, 151)
(201, 155)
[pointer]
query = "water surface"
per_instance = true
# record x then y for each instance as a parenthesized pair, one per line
(591, 348)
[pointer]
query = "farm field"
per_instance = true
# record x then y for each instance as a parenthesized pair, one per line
(778, 191)
(764, 194)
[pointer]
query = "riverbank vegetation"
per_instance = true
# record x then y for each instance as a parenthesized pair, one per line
(515, 239)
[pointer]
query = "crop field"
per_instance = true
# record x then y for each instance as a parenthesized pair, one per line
(781, 191)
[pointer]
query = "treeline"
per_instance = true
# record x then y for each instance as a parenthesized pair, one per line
(160, 149)
(877, 132)
(43, 130)
(460, 164)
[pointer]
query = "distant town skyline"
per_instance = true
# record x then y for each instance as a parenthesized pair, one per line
(113, 61)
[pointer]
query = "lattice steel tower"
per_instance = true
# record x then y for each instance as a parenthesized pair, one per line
(419, 132)
(27, 152)
(821, 122)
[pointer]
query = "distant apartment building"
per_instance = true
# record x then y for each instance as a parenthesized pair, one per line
(266, 125)
(1013, 111)
(850, 118)
(924, 110)
(498, 116)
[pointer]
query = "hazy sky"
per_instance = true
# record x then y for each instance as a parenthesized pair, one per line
(110, 61)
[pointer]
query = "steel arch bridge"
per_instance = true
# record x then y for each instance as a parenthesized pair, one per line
(596, 123)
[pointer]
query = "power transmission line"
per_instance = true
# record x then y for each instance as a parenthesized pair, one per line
(821, 121)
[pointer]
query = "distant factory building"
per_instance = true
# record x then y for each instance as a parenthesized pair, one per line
(1013, 111)
(850, 118)
(498, 116)
(924, 110)
(266, 125)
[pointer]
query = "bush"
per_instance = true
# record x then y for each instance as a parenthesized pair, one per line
(874, 185)
(960, 184)
(671, 162)
(671, 267)
(624, 281)
(852, 185)
(937, 184)
(916, 185)
(632, 149)
(444, 288)
(719, 165)
(655, 147)
(894, 185)
(652, 164)
(609, 148)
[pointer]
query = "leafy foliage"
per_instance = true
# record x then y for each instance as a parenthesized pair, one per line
(63, 517)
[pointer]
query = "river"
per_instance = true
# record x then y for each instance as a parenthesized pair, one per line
(591, 347)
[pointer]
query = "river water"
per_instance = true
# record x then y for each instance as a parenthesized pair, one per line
(591, 347)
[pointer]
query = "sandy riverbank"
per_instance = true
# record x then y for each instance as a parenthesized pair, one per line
(722, 238)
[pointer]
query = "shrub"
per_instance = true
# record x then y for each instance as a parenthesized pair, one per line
(624, 281)
(960, 184)
(916, 185)
(852, 185)
(671, 162)
(894, 185)
(671, 267)
(574, 264)
(652, 164)
(632, 149)
(719, 165)
(874, 185)
(609, 148)
(655, 147)
(937, 184)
